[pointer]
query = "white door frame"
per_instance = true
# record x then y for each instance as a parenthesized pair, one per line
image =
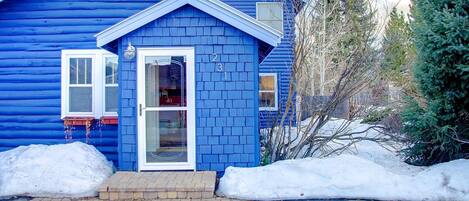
(189, 53)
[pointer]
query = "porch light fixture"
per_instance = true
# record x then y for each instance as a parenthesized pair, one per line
(129, 53)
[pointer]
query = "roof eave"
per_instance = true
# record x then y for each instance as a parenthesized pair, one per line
(215, 8)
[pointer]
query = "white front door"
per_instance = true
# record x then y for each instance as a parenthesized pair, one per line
(166, 108)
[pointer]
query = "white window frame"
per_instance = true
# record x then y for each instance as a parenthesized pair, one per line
(97, 82)
(281, 5)
(275, 108)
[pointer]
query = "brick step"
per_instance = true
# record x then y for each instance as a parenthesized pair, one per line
(158, 185)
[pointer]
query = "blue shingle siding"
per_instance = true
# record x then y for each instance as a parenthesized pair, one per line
(224, 114)
(33, 33)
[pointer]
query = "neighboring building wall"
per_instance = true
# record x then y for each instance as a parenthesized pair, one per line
(280, 61)
(226, 110)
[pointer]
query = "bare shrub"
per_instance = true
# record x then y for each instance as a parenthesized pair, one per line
(339, 37)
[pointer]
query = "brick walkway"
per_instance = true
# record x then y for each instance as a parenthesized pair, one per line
(159, 185)
(97, 199)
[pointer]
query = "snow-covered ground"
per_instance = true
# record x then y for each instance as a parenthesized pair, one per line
(367, 171)
(65, 170)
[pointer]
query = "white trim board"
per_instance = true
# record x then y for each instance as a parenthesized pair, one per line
(216, 8)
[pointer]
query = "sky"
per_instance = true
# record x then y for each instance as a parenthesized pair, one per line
(402, 5)
(385, 6)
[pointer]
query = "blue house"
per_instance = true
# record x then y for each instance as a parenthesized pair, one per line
(154, 85)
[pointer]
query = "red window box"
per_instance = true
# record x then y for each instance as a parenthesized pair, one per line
(78, 121)
(109, 120)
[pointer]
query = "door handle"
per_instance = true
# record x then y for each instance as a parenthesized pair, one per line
(140, 109)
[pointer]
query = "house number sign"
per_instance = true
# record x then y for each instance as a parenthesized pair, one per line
(219, 66)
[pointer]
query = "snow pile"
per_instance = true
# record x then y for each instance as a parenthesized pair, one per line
(345, 176)
(66, 170)
(381, 154)
(366, 171)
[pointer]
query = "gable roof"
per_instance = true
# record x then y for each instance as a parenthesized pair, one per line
(216, 8)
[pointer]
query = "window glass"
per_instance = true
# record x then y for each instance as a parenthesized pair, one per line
(266, 99)
(73, 71)
(111, 89)
(80, 93)
(80, 71)
(81, 66)
(80, 99)
(267, 83)
(88, 71)
(267, 92)
(271, 14)
(111, 99)
(167, 78)
(111, 70)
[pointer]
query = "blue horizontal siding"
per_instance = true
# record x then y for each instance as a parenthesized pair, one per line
(32, 35)
(279, 61)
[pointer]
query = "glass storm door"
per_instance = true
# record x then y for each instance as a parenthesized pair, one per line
(166, 114)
